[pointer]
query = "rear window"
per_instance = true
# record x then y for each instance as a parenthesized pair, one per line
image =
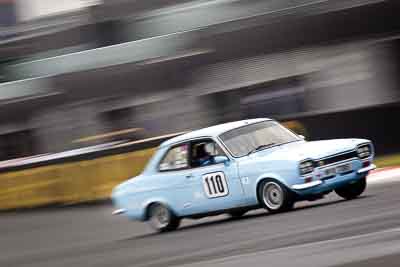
(175, 159)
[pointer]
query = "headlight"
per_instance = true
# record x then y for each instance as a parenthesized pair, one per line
(306, 167)
(364, 151)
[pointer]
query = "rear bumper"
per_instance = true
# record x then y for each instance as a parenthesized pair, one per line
(321, 186)
(118, 212)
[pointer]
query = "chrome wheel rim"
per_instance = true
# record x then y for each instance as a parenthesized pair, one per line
(159, 217)
(272, 195)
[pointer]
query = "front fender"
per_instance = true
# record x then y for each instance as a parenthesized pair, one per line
(269, 175)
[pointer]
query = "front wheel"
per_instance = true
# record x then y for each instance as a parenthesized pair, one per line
(162, 219)
(353, 190)
(274, 196)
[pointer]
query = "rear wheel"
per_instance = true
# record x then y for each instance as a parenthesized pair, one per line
(274, 196)
(353, 190)
(162, 219)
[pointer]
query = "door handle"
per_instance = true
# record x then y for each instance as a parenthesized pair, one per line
(188, 176)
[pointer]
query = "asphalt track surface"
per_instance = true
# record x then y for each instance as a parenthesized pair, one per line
(329, 232)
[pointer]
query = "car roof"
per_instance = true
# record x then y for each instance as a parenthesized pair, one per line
(211, 131)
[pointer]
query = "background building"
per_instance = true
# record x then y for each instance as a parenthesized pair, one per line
(80, 74)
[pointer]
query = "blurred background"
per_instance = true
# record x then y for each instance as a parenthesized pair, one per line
(88, 88)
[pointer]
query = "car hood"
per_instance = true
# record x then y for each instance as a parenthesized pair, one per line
(310, 150)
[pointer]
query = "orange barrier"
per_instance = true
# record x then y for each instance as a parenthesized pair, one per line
(67, 183)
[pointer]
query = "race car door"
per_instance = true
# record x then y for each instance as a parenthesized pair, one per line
(217, 185)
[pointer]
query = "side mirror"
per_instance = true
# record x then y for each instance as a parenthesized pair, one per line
(302, 137)
(221, 159)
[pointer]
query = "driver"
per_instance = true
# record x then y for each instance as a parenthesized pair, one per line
(203, 156)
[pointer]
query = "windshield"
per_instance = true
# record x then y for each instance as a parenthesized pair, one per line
(247, 139)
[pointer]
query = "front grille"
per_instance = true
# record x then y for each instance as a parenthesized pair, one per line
(336, 158)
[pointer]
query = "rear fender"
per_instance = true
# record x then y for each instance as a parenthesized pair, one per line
(154, 200)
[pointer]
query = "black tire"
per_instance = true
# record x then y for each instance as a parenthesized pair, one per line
(237, 214)
(161, 218)
(274, 196)
(352, 191)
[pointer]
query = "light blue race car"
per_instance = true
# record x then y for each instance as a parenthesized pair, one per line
(238, 166)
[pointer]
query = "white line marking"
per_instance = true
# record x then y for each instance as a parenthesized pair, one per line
(306, 245)
(384, 176)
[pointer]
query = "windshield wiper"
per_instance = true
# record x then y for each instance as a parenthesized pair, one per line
(290, 142)
(260, 147)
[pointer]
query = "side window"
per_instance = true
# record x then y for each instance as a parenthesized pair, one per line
(175, 159)
(202, 152)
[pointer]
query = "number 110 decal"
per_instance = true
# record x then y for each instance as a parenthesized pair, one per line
(215, 185)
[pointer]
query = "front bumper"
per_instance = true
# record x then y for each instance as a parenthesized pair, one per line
(306, 185)
(367, 169)
(326, 185)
